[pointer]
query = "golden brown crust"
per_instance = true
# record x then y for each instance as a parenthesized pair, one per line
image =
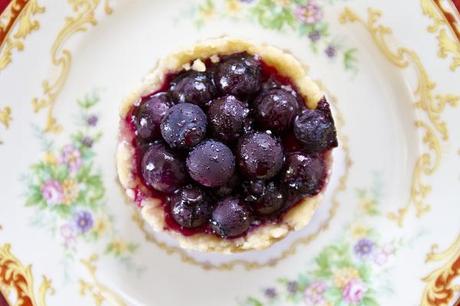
(152, 211)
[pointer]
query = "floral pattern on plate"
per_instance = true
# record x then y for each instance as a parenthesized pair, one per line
(68, 193)
(343, 273)
(304, 17)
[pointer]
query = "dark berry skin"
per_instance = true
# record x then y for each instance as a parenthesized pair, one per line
(230, 187)
(230, 218)
(304, 174)
(275, 109)
(316, 130)
(211, 163)
(162, 169)
(264, 198)
(184, 126)
(239, 75)
(193, 87)
(149, 115)
(260, 155)
(190, 207)
(227, 117)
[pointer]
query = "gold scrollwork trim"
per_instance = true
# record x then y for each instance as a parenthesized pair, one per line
(99, 292)
(14, 276)
(292, 249)
(84, 16)
(439, 289)
(448, 42)
(430, 104)
(27, 24)
(5, 117)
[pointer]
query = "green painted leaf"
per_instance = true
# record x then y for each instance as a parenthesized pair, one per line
(60, 173)
(302, 281)
(323, 261)
(62, 210)
(88, 102)
(251, 301)
(364, 273)
(369, 301)
(305, 29)
(349, 61)
(333, 294)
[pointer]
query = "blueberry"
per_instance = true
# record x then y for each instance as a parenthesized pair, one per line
(230, 218)
(265, 198)
(162, 169)
(184, 126)
(227, 117)
(304, 174)
(193, 87)
(276, 108)
(260, 155)
(149, 114)
(239, 75)
(211, 163)
(190, 207)
(316, 130)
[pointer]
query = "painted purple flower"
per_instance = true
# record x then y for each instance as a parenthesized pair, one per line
(292, 287)
(52, 192)
(87, 141)
(71, 157)
(92, 120)
(354, 291)
(314, 293)
(331, 51)
(270, 293)
(309, 13)
(83, 221)
(314, 36)
(363, 247)
(68, 234)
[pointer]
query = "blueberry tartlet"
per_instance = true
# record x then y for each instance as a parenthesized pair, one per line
(226, 145)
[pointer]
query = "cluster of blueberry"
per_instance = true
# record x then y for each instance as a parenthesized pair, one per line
(232, 146)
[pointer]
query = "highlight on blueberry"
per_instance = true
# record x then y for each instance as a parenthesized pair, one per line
(230, 218)
(184, 126)
(162, 169)
(190, 206)
(211, 163)
(260, 155)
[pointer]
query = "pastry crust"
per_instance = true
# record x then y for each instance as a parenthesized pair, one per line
(152, 210)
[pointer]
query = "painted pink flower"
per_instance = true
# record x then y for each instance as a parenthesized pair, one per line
(354, 291)
(68, 234)
(309, 13)
(52, 192)
(314, 293)
(380, 257)
(71, 157)
(389, 249)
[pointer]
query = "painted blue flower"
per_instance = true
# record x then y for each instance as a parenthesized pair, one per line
(270, 293)
(331, 51)
(363, 247)
(314, 36)
(292, 287)
(87, 141)
(92, 120)
(83, 221)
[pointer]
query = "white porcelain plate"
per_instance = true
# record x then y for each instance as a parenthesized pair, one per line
(387, 232)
